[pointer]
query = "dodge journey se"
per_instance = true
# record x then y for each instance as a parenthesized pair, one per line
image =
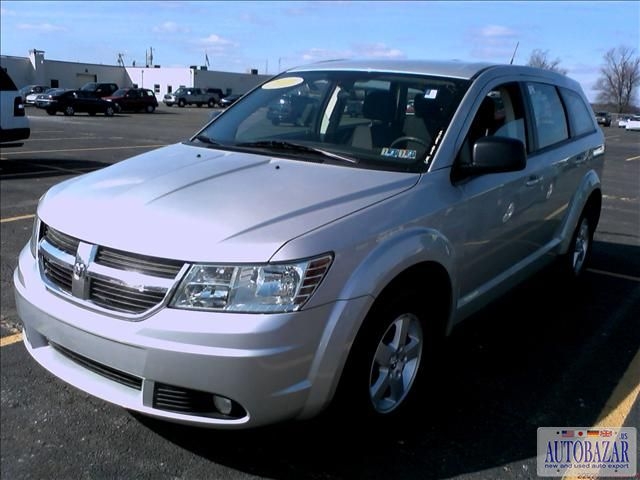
(261, 271)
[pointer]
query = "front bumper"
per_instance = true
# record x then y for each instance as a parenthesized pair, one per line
(273, 367)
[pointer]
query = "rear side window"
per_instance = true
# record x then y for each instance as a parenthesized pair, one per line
(580, 117)
(549, 118)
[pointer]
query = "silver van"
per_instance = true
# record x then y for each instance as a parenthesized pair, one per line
(262, 271)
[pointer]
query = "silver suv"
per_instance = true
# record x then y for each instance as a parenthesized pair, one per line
(261, 272)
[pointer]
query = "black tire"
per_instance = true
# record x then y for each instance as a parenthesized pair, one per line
(109, 111)
(181, 103)
(211, 103)
(69, 111)
(92, 114)
(198, 105)
(394, 350)
(51, 112)
(150, 109)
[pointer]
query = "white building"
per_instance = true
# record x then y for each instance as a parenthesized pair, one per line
(35, 70)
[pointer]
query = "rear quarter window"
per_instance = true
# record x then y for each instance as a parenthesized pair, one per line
(580, 117)
(549, 119)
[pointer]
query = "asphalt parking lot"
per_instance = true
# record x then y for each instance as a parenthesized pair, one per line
(543, 356)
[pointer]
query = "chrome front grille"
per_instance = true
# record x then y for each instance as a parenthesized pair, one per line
(104, 278)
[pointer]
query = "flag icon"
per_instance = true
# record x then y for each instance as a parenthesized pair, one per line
(567, 433)
(593, 433)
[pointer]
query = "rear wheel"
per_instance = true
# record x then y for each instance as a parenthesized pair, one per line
(109, 111)
(150, 109)
(51, 112)
(69, 110)
(574, 262)
(181, 103)
(211, 103)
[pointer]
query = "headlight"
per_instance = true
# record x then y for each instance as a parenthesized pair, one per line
(268, 288)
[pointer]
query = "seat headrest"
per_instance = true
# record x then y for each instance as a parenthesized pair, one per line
(379, 105)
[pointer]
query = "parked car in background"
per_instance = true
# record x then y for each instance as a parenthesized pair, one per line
(255, 274)
(633, 123)
(133, 100)
(100, 89)
(603, 118)
(215, 93)
(622, 121)
(184, 96)
(31, 98)
(43, 100)
(29, 89)
(229, 100)
(14, 123)
(71, 102)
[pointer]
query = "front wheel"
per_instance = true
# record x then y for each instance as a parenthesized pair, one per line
(51, 112)
(109, 111)
(150, 109)
(68, 111)
(394, 349)
(181, 103)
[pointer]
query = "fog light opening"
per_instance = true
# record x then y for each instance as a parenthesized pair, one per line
(223, 404)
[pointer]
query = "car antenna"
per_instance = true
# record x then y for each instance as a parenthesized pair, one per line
(514, 53)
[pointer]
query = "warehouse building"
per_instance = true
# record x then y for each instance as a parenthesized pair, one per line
(36, 70)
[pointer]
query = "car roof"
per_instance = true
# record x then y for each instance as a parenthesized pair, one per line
(441, 68)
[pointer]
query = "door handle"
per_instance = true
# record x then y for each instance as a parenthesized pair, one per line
(533, 180)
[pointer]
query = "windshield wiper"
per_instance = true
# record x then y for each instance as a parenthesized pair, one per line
(205, 139)
(282, 145)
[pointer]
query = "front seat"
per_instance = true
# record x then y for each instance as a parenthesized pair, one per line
(379, 107)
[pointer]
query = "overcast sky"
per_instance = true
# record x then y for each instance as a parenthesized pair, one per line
(269, 36)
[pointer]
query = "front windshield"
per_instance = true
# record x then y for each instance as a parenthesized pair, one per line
(374, 119)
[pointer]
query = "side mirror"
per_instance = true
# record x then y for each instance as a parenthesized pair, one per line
(496, 155)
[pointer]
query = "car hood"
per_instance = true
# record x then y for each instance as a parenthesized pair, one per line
(199, 204)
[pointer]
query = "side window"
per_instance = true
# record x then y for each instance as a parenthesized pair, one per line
(580, 117)
(549, 117)
(500, 114)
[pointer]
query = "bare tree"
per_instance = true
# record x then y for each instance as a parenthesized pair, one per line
(619, 78)
(540, 59)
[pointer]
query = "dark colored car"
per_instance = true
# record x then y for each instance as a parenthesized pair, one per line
(133, 100)
(229, 100)
(100, 89)
(603, 118)
(71, 102)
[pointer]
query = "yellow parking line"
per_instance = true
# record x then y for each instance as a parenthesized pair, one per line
(620, 403)
(31, 152)
(15, 219)
(15, 338)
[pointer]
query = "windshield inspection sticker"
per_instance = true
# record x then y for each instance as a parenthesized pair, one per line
(283, 83)
(399, 153)
(589, 453)
(431, 93)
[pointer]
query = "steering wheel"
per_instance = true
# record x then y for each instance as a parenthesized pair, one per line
(409, 139)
